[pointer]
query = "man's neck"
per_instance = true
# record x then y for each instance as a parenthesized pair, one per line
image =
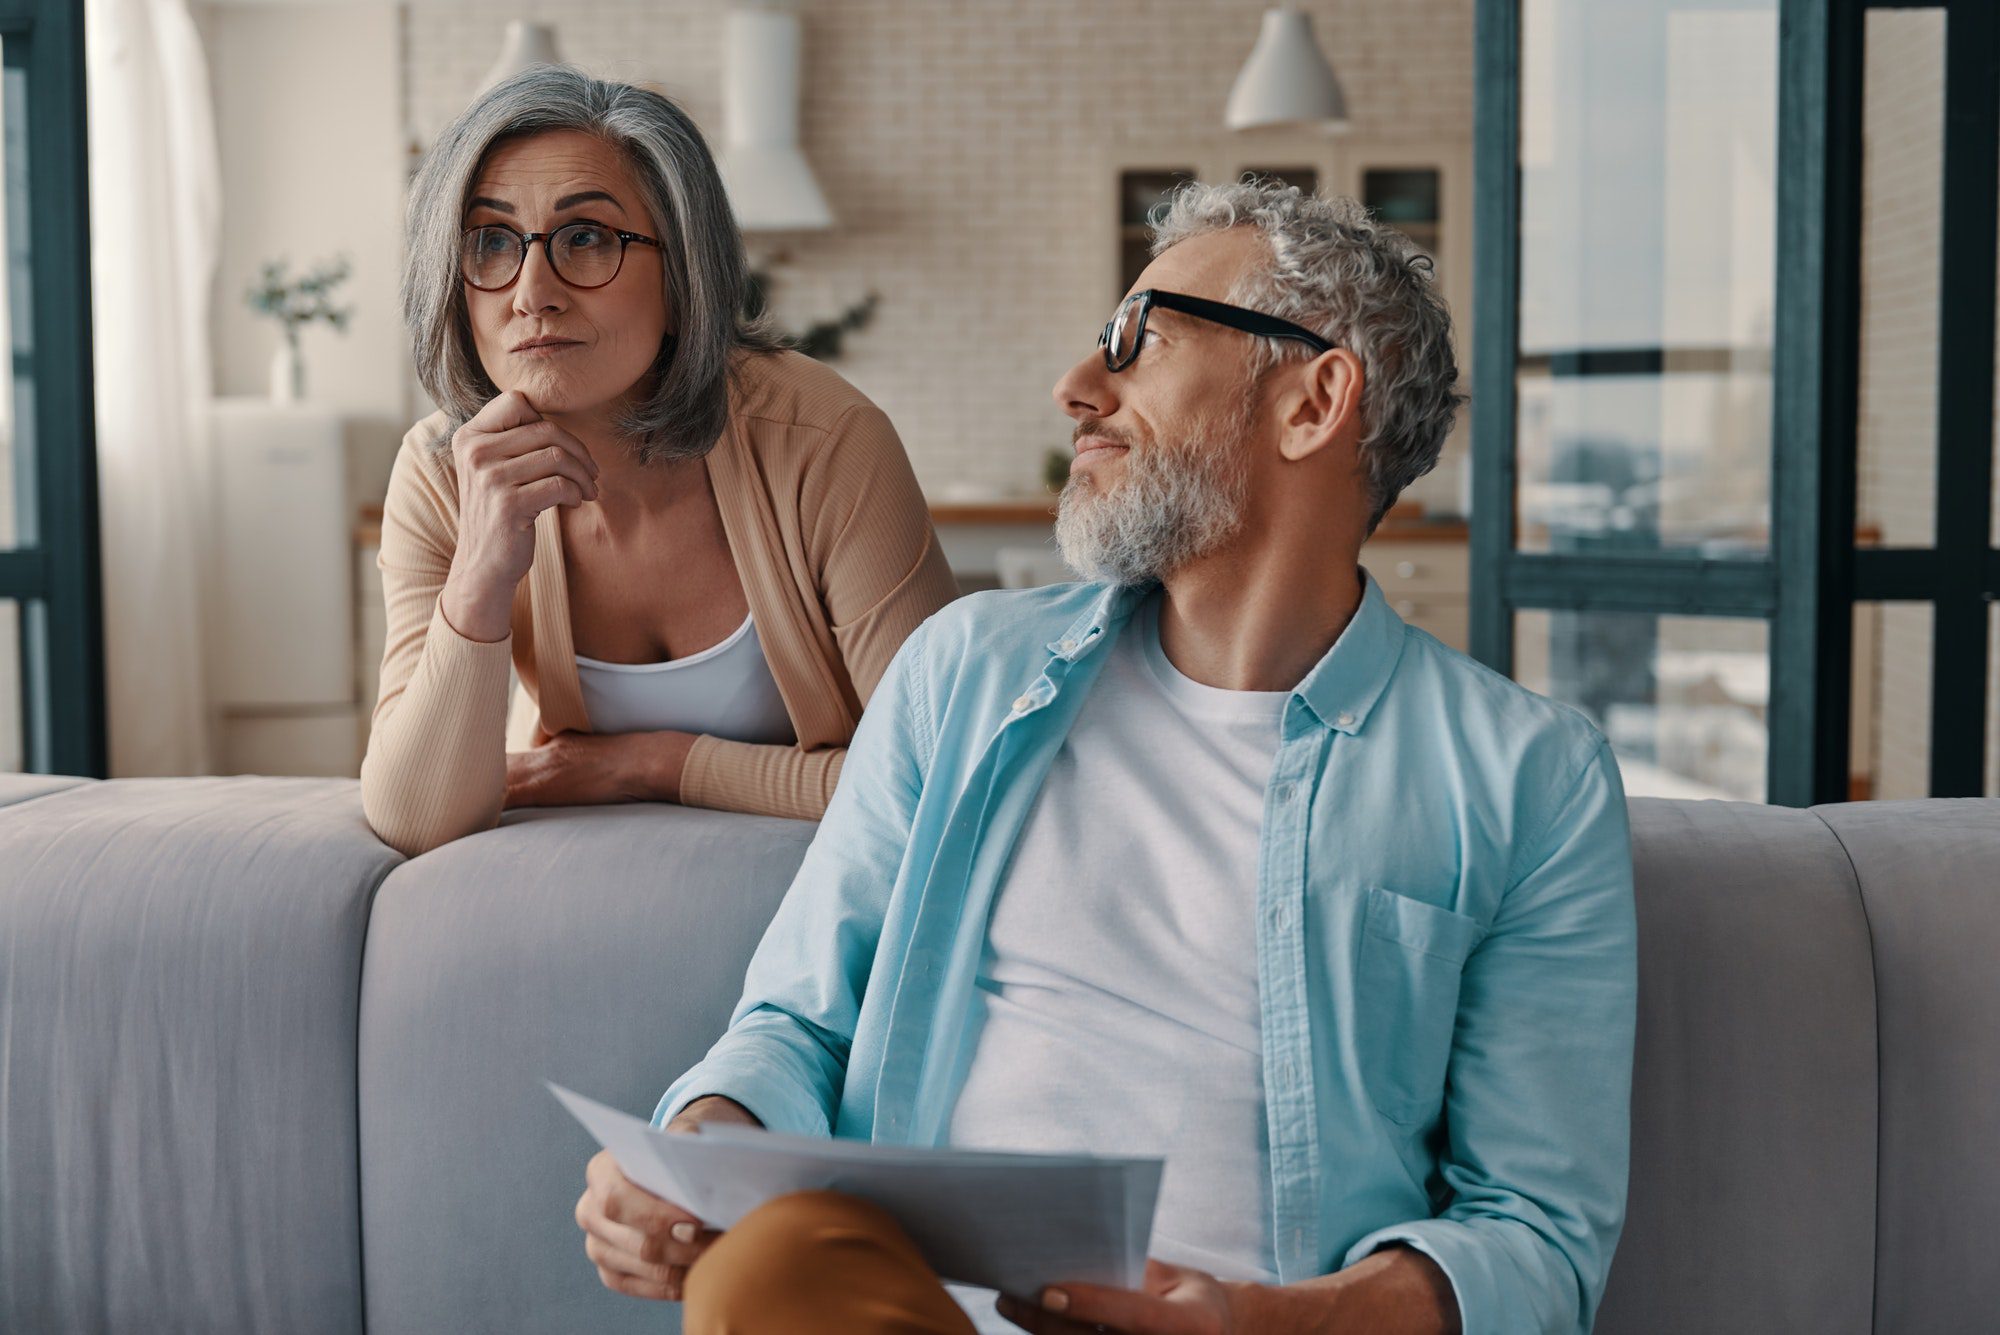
(1256, 621)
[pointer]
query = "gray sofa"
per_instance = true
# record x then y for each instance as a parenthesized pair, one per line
(258, 1073)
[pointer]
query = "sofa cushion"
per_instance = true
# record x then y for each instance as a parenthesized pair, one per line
(27, 787)
(179, 976)
(1753, 1109)
(601, 948)
(1930, 882)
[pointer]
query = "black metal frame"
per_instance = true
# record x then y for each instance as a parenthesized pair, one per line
(54, 575)
(1807, 586)
(1201, 308)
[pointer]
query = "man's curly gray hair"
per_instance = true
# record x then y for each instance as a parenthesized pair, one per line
(1356, 283)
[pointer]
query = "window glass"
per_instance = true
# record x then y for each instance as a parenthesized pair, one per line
(1683, 700)
(1648, 185)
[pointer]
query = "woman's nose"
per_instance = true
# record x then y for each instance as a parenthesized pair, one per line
(538, 289)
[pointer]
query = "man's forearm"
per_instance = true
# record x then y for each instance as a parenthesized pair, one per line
(713, 1108)
(1396, 1291)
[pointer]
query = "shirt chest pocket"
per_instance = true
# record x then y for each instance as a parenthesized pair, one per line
(1412, 957)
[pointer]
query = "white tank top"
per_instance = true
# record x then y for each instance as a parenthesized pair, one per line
(727, 691)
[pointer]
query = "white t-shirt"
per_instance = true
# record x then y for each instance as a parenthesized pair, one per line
(1119, 979)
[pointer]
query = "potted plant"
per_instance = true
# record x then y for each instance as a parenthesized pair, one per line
(295, 303)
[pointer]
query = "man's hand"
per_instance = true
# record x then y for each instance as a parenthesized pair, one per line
(1172, 1300)
(641, 1245)
(1395, 1291)
(579, 769)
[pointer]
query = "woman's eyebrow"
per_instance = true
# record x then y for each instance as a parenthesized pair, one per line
(585, 197)
(484, 202)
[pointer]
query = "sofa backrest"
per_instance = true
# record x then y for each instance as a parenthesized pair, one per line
(218, 1113)
(601, 949)
(1818, 1071)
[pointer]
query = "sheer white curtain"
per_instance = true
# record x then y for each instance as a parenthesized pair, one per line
(155, 206)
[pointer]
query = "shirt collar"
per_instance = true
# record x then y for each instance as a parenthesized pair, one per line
(1345, 684)
(1108, 611)
(1342, 687)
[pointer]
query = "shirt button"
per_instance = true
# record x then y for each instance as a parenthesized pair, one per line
(1024, 704)
(1067, 647)
(1346, 719)
(1285, 791)
(1281, 917)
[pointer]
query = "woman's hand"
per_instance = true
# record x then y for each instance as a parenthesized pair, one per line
(511, 465)
(579, 769)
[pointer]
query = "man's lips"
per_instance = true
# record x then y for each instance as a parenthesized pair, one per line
(1087, 444)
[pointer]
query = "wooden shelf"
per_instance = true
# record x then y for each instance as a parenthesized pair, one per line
(1403, 524)
(1026, 510)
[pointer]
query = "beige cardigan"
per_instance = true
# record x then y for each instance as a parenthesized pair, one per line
(839, 564)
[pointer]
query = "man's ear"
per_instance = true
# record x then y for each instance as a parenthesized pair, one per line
(1324, 406)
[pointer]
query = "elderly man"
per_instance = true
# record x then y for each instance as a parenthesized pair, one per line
(1210, 857)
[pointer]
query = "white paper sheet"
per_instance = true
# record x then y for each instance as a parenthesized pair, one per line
(1012, 1222)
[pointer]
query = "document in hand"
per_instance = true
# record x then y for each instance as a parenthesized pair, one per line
(1012, 1222)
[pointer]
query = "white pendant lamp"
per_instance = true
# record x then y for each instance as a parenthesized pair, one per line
(1287, 80)
(525, 46)
(771, 187)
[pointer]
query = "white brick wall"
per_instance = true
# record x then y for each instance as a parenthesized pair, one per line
(959, 142)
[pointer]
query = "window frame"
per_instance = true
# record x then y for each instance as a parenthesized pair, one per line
(55, 576)
(1813, 574)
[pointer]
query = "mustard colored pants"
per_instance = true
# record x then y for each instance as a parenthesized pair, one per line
(817, 1263)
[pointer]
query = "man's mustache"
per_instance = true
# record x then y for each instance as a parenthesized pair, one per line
(1091, 426)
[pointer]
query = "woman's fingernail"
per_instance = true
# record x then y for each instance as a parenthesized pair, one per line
(1055, 1300)
(682, 1232)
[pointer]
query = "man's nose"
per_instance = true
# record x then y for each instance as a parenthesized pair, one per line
(537, 289)
(1087, 389)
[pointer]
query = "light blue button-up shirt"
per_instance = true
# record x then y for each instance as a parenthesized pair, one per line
(1446, 950)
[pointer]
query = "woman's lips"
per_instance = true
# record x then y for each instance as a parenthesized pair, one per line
(549, 349)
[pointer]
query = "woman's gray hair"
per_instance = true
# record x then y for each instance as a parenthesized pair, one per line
(1356, 283)
(706, 273)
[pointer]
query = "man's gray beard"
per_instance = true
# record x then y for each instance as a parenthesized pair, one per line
(1172, 504)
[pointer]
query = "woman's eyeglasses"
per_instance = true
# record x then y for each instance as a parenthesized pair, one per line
(1126, 334)
(583, 254)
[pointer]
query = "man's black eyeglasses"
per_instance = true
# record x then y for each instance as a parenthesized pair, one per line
(583, 254)
(1126, 334)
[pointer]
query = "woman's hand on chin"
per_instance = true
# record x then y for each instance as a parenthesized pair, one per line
(578, 769)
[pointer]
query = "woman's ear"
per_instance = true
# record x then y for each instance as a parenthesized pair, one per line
(1325, 405)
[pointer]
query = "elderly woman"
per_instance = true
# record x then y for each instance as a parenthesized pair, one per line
(698, 550)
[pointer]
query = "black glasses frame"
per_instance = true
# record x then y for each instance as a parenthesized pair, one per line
(526, 239)
(1201, 308)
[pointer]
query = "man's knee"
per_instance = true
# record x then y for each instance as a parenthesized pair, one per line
(782, 1253)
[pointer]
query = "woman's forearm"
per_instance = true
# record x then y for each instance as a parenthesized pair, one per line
(436, 767)
(760, 780)
(660, 759)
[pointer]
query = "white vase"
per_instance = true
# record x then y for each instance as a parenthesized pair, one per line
(288, 374)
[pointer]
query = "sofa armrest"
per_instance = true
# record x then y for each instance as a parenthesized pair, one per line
(180, 963)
